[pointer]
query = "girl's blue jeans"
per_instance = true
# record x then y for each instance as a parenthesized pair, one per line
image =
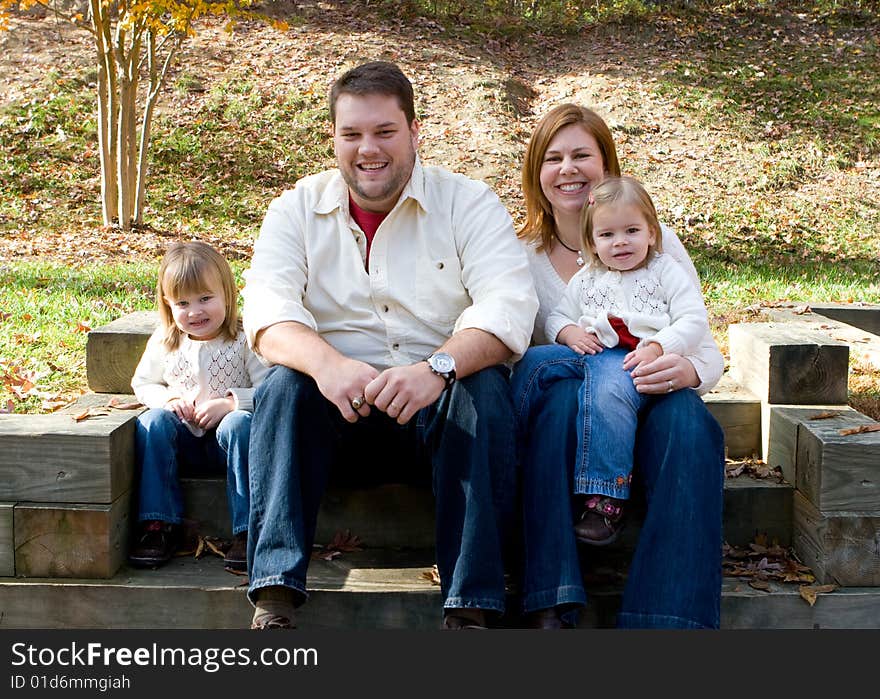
(674, 579)
(166, 448)
(607, 415)
(465, 440)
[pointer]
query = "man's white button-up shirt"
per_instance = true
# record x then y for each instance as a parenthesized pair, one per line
(444, 259)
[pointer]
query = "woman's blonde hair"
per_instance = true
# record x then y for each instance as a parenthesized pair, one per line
(619, 191)
(190, 268)
(539, 226)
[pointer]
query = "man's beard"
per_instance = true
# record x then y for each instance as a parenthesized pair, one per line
(399, 177)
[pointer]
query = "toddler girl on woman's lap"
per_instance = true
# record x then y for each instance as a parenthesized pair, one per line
(197, 377)
(630, 296)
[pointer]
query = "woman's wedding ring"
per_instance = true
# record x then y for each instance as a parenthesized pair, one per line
(671, 387)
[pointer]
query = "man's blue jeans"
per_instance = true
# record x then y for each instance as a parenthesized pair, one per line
(165, 448)
(674, 579)
(466, 438)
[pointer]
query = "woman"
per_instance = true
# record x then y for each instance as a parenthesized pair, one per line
(674, 579)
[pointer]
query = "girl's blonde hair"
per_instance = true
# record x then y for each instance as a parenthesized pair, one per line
(539, 226)
(619, 191)
(190, 268)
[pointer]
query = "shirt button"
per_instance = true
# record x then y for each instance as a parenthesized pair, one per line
(385, 308)
(439, 265)
(357, 239)
(395, 346)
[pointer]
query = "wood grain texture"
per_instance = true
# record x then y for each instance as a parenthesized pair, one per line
(71, 541)
(841, 549)
(199, 594)
(7, 539)
(839, 473)
(857, 329)
(788, 363)
(53, 458)
(865, 316)
(114, 350)
(738, 411)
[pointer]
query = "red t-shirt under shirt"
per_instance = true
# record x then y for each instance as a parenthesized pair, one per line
(368, 221)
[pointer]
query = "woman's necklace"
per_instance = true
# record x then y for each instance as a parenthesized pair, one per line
(580, 258)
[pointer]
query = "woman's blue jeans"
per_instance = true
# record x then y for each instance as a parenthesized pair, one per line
(166, 448)
(465, 439)
(674, 579)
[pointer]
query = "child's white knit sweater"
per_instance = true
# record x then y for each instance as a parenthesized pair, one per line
(657, 302)
(198, 371)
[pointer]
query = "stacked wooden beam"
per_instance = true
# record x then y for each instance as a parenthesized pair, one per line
(799, 369)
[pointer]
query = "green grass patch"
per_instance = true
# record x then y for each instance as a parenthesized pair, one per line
(47, 311)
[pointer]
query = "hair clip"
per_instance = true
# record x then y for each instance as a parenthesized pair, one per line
(591, 199)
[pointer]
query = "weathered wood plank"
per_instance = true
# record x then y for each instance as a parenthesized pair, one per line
(7, 540)
(839, 473)
(788, 363)
(782, 439)
(71, 541)
(389, 515)
(114, 350)
(754, 506)
(863, 341)
(199, 594)
(53, 458)
(841, 549)
(859, 315)
(738, 411)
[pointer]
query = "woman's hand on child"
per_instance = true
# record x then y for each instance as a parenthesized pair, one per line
(184, 409)
(208, 415)
(578, 339)
(655, 377)
(642, 355)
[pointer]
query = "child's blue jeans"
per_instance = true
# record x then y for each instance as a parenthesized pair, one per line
(165, 447)
(607, 416)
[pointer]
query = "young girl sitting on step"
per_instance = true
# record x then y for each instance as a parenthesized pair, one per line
(629, 296)
(197, 377)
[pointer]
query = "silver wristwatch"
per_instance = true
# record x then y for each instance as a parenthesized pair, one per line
(443, 365)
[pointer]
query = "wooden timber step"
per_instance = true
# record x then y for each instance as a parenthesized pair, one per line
(398, 515)
(364, 590)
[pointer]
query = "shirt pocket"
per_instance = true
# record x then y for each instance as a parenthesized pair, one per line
(440, 295)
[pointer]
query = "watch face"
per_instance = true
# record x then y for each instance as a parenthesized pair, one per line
(442, 363)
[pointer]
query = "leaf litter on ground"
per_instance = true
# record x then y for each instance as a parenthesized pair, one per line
(342, 542)
(762, 563)
(754, 467)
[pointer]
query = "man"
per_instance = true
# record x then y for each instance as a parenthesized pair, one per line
(388, 294)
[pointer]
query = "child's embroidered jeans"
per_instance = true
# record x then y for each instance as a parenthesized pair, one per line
(166, 448)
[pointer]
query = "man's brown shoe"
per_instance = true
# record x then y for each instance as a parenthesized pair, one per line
(236, 556)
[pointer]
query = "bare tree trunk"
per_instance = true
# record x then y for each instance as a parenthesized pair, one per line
(107, 105)
(157, 81)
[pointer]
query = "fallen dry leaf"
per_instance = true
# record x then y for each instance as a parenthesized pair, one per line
(432, 576)
(8, 408)
(825, 415)
(345, 542)
(235, 572)
(325, 555)
(79, 417)
(762, 585)
(811, 592)
(90, 412)
(218, 547)
(200, 548)
(116, 403)
(871, 427)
